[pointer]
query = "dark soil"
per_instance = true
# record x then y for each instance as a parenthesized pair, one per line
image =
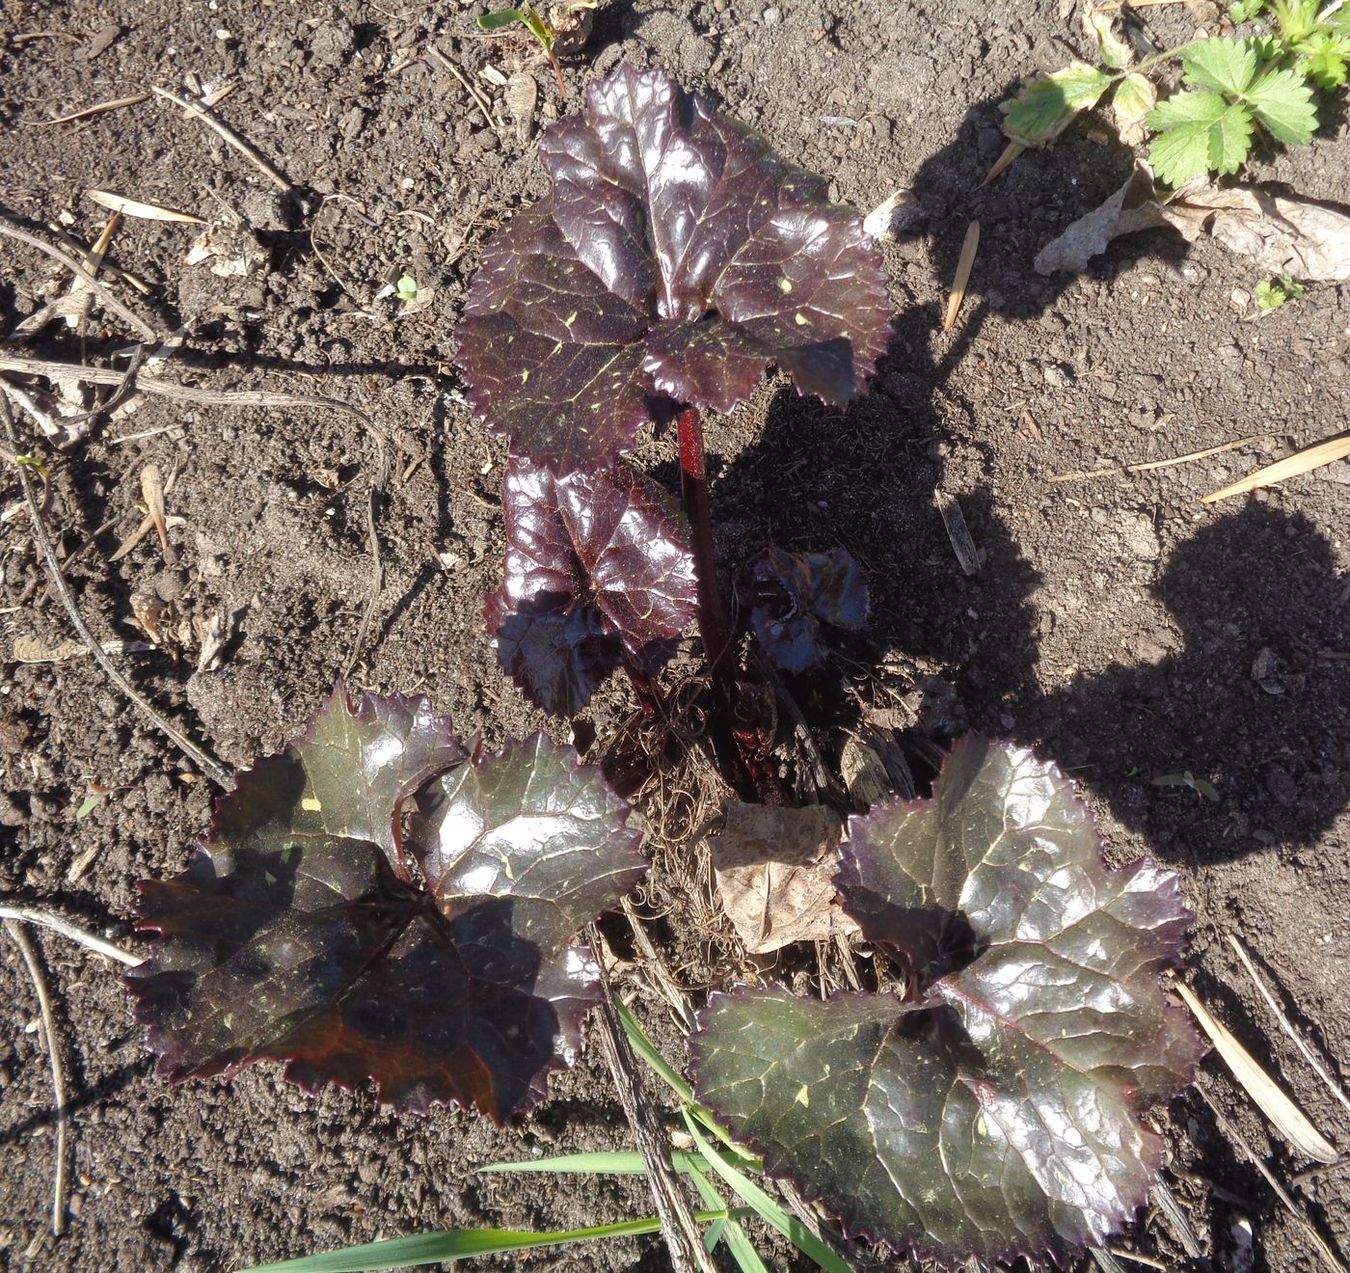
(1128, 631)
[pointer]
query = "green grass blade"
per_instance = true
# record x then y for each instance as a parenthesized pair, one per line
(646, 1049)
(607, 1162)
(737, 1240)
(771, 1212)
(501, 18)
(711, 1198)
(459, 1244)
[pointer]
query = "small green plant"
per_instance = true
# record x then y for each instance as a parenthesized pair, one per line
(566, 26)
(715, 1157)
(1232, 88)
(1271, 293)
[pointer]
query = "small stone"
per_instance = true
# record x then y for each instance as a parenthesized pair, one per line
(772, 16)
(1057, 375)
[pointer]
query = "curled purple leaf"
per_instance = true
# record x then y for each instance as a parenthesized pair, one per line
(676, 257)
(597, 567)
(299, 934)
(795, 596)
(997, 1113)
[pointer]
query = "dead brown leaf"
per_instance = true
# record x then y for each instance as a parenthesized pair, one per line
(1282, 235)
(775, 872)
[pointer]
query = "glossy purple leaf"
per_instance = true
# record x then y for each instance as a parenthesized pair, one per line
(796, 596)
(997, 1113)
(676, 257)
(299, 933)
(596, 564)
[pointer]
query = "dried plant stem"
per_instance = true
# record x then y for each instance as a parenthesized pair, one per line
(1286, 1025)
(101, 290)
(678, 1227)
(230, 137)
(1330, 1259)
(61, 1173)
(58, 924)
(242, 398)
(479, 100)
(207, 763)
(1149, 465)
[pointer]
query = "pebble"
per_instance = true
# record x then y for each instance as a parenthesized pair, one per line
(772, 16)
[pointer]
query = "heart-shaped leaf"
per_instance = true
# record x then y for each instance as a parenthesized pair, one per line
(300, 934)
(676, 257)
(996, 1113)
(596, 564)
(794, 594)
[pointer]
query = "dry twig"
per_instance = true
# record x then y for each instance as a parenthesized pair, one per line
(230, 137)
(61, 1173)
(447, 65)
(81, 936)
(1329, 1257)
(104, 294)
(1286, 1025)
(207, 763)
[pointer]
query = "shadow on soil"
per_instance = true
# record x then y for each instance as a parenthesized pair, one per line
(1250, 703)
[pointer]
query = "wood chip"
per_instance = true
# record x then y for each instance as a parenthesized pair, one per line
(137, 208)
(965, 263)
(1289, 1120)
(521, 96)
(1312, 457)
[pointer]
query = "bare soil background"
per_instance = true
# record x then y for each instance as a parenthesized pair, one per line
(1127, 631)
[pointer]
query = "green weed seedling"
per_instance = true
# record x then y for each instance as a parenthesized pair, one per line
(1271, 293)
(1233, 88)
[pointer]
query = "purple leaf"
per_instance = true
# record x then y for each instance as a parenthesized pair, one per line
(677, 256)
(596, 565)
(998, 1113)
(298, 934)
(796, 594)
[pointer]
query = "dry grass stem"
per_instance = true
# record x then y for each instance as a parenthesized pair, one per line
(1330, 1260)
(1286, 1025)
(207, 763)
(98, 108)
(1148, 466)
(1312, 457)
(61, 1171)
(1289, 1120)
(447, 65)
(104, 294)
(58, 924)
(964, 264)
(230, 137)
